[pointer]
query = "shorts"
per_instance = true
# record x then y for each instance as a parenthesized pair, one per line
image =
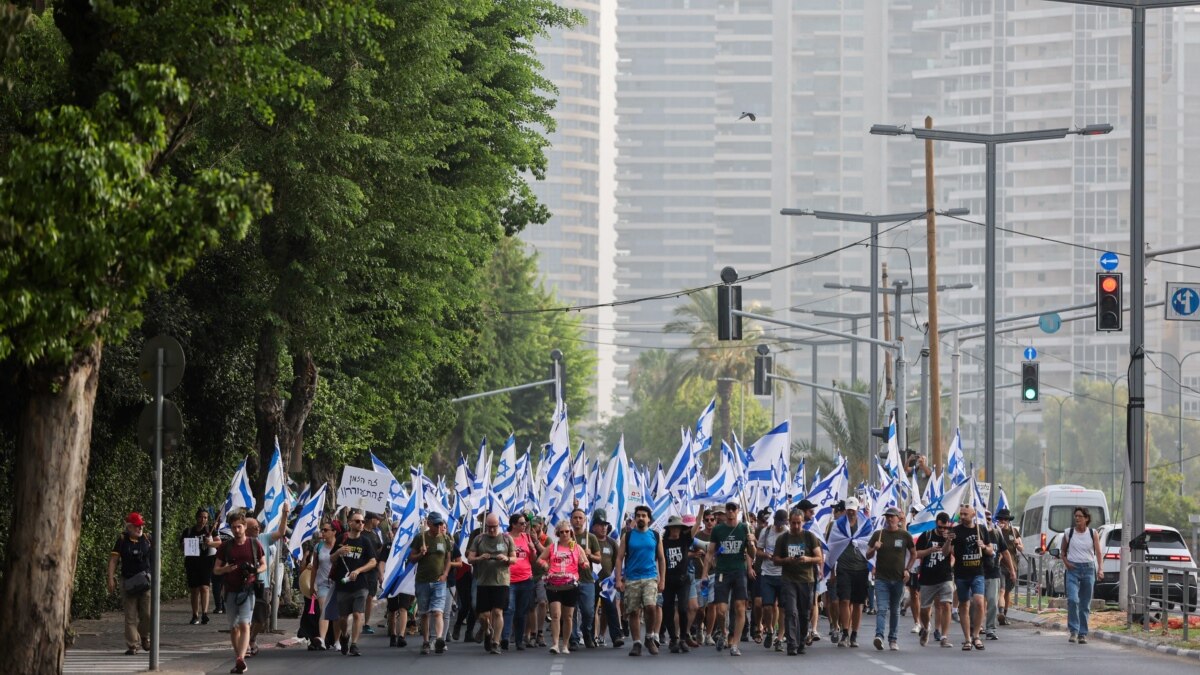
(754, 586)
(198, 571)
(539, 591)
(702, 592)
(853, 586)
(351, 602)
(488, 598)
(968, 586)
(914, 581)
(324, 591)
(261, 607)
(239, 607)
(731, 586)
(400, 601)
(1009, 584)
(431, 596)
(640, 593)
(943, 592)
(568, 598)
(771, 588)
(372, 585)
(831, 589)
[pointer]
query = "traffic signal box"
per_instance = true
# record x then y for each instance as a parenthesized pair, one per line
(1109, 286)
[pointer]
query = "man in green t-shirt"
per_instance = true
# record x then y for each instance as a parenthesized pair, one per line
(586, 605)
(798, 553)
(431, 552)
(892, 548)
(732, 545)
(490, 555)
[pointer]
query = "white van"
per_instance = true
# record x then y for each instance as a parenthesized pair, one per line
(1050, 511)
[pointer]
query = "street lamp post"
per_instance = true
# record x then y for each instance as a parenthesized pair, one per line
(1179, 416)
(989, 141)
(874, 221)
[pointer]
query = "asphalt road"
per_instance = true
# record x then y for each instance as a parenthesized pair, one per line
(1020, 649)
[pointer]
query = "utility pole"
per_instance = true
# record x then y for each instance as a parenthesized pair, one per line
(934, 419)
(889, 394)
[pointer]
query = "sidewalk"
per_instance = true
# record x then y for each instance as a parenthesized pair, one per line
(1058, 622)
(100, 643)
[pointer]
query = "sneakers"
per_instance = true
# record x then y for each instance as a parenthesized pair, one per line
(1002, 620)
(131, 652)
(892, 646)
(924, 636)
(400, 641)
(636, 649)
(844, 641)
(652, 646)
(691, 642)
(195, 621)
(1083, 639)
(495, 649)
(204, 619)
(916, 629)
(316, 645)
(553, 649)
(879, 642)
(991, 636)
(683, 647)
(618, 643)
(367, 630)
(791, 651)
(766, 639)
(1073, 639)
(779, 644)
(239, 666)
(719, 641)
(503, 644)
(353, 651)
(566, 649)
(854, 641)
(391, 640)
(252, 652)
(673, 646)
(425, 648)
(439, 646)
(456, 633)
(345, 645)
(734, 651)
(708, 640)
(945, 642)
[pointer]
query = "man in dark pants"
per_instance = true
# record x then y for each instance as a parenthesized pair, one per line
(608, 555)
(798, 552)
(585, 627)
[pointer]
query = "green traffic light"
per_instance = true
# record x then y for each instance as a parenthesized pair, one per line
(1030, 393)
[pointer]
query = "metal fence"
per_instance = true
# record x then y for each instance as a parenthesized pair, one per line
(1031, 579)
(1171, 587)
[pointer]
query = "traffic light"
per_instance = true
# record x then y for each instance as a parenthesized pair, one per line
(729, 325)
(1029, 382)
(762, 370)
(558, 373)
(1108, 301)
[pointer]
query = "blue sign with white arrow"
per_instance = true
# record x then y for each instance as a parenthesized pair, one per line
(1109, 261)
(1030, 353)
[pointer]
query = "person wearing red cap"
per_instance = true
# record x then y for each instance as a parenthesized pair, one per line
(132, 550)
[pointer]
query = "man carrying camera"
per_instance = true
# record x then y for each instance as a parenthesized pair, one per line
(242, 561)
(132, 550)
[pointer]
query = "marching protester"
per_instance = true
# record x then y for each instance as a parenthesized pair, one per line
(732, 548)
(522, 586)
(677, 546)
(850, 573)
(243, 561)
(431, 553)
(1016, 550)
(934, 551)
(798, 554)
(638, 574)
(198, 543)
(263, 588)
(320, 560)
(491, 554)
(997, 569)
(770, 577)
(351, 561)
(892, 549)
(371, 531)
(563, 559)
(971, 544)
(608, 554)
(132, 551)
(589, 544)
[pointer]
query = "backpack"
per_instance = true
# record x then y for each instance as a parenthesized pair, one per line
(1070, 532)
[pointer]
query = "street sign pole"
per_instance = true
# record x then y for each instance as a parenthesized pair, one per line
(156, 570)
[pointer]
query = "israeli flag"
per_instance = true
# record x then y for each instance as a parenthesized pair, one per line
(608, 589)
(558, 461)
(395, 489)
(307, 524)
(1001, 501)
(579, 478)
(677, 477)
(894, 463)
(401, 574)
(275, 495)
(768, 452)
(956, 465)
(843, 535)
(704, 429)
(725, 485)
(831, 490)
(799, 486)
(977, 501)
(615, 489)
(240, 496)
(483, 467)
(505, 481)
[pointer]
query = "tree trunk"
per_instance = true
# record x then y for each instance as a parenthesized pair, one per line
(275, 418)
(54, 443)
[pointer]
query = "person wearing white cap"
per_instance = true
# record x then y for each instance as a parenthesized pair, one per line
(892, 548)
(850, 575)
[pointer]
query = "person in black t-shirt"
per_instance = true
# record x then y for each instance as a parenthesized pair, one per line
(995, 569)
(132, 550)
(935, 579)
(677, 545)
(351, 561)
(971, 545)
(198, 567)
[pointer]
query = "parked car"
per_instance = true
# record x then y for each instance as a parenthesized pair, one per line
(1049, 512)
(1166, 546)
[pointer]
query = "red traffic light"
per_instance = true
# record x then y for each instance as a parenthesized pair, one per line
(1108, 301)
(1108, 284)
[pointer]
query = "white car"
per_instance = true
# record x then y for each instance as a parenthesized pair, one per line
(1166, 546)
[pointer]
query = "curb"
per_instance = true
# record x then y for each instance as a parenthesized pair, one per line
(1128, 640)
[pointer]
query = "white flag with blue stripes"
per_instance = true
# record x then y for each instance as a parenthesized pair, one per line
(401, 573)
(704, 429)
(308, 523)
(275, 494)
(240, 496)
(956, 465)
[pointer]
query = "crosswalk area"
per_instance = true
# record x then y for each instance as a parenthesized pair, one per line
(114, 661)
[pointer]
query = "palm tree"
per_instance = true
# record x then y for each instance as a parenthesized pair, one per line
(847, 429)
(710, 359)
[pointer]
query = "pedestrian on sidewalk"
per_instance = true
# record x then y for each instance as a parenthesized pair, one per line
(1080, 551)
(198, 544)
(132, 551)
(242, 561)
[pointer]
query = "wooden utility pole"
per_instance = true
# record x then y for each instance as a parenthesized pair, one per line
(935, 395)
(889, 394)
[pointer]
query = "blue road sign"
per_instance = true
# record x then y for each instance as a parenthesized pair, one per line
(1030, 353)
(1185, 300)
(1108, 260)
(1050, 323)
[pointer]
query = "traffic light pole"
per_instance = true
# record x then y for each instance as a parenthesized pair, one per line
(822, 387)
(556, 358)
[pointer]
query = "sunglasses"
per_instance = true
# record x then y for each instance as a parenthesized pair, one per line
(356, 522)
(562, 532)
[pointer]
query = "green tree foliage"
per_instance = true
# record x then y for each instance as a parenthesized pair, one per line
(662, 405)
(512, 349)
(844, 419)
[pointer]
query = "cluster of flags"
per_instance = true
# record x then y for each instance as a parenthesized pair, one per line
(759, 477)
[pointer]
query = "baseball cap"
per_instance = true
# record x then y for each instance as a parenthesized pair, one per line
(852, 504)
(781, 516)
(135, 519)
(892, 511)
(600, 516)
(434, 518)
(1004, 514)
(805, 505)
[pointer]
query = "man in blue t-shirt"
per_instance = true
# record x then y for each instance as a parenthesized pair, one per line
(639, 573)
